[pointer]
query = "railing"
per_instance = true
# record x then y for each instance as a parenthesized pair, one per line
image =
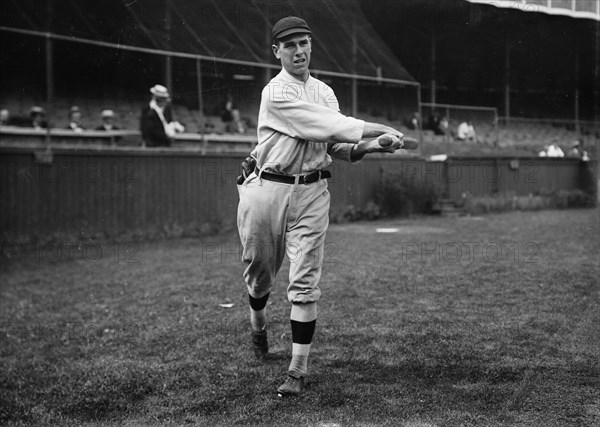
(121, 139)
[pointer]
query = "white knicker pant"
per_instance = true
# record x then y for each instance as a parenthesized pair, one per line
(277, 218)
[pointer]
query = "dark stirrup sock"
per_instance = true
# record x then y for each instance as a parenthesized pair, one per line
(302, 334)
(258, 312)
(258, 304)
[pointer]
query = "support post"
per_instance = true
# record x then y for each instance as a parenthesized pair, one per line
(433, 66)
(49, 71)
(168, 58)
(596, 95)
(354, 82)
(576, 94)
(507, 79)
(420, 122)
(496, 129)
(200, 102)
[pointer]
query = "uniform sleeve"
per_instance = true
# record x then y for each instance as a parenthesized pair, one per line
(290, 115)
(341, 151)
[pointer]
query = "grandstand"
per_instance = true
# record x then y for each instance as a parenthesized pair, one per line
(388, 58)
(386, 61)
(516, 138)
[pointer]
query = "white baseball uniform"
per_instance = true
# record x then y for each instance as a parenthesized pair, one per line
(299, 129)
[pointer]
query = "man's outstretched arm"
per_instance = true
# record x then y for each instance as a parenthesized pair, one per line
(386, 143)
(373, 130)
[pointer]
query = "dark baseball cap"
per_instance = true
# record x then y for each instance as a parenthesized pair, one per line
(290, 25)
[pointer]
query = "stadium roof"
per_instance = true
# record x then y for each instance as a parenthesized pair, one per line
(585, 9)
(219, 30)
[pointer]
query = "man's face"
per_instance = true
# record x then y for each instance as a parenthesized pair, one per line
(294, 54)
(161, 102)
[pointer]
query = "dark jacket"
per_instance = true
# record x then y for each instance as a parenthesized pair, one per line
(153, 131)
(114, 127)
(113, 139)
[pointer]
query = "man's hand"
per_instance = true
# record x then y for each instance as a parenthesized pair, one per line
(374, 130)
(387, 143)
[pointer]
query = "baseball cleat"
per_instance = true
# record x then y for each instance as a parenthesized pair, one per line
(260, 345)
(291, 387)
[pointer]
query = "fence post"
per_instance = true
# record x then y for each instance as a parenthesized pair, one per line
(201, 104)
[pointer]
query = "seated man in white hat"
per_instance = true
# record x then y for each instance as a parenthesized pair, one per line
(108, 118)
(75, 120)
(37, 118)
(156, 123)
(108, 124)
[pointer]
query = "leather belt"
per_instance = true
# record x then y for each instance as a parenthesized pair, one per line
(309, 178)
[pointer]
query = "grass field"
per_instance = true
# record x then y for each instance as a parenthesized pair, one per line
(486, 321)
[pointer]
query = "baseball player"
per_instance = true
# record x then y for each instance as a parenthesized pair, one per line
(284, 201)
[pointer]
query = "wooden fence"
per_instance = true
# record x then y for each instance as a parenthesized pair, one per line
(112, 192)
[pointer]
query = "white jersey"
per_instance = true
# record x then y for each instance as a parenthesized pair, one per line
(300, 127)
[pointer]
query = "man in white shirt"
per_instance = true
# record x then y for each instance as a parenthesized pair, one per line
(555, 151)
(284, 202)
(466, 131)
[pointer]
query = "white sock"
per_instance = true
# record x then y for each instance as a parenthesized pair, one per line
(258, 319)
(299, 363)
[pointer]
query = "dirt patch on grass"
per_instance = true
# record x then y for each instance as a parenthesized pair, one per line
(393, 229)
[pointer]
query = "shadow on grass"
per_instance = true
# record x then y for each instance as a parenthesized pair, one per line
(346, 385)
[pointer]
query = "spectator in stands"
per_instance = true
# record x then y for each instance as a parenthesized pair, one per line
(544, 152)
(4, 117)
(236, 125)
(108, 124)
(209, 127)
(438, 123)
(75, 122)
(466, 132)
(443, 128)
(37, 118)
(7, 119)
(434, 121)
(108, 118)
(156, 123)
(413, 122)
(554, 150)
(575, 150)
(231, 117)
